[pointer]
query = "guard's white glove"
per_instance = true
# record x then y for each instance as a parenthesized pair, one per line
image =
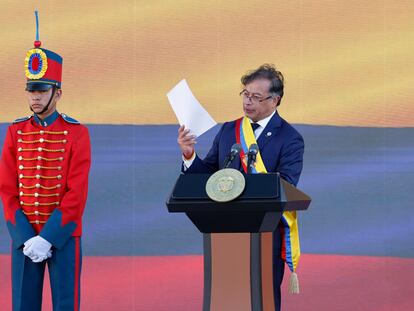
(37, 249)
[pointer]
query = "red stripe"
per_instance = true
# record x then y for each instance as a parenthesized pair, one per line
(54, 70)
(283, 250)
(238, 140)
(327, 282)
(77, 262)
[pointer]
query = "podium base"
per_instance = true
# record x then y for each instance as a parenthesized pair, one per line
(238, 272)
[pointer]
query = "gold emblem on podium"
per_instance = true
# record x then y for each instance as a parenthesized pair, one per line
(225, 185)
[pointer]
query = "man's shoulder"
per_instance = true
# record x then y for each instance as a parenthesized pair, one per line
(227, 128)
(289, 130)
(230, 124)
(72, 123)
(69, 119)
(20, 124)
(21, 120)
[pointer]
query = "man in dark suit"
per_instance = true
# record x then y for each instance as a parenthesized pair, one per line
(281, 146)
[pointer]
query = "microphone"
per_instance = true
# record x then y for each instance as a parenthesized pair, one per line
(251, 157)
(235, 150)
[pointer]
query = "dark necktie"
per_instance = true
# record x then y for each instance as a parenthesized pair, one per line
(255, 126)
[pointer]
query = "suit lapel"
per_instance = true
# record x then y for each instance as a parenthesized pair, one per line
(269, 131)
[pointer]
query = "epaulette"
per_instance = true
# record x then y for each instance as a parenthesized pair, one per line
(21, 119)
(69, 119)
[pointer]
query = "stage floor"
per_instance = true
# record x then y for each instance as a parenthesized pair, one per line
(149, 283)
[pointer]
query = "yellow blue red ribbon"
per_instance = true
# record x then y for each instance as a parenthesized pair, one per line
(290, 246)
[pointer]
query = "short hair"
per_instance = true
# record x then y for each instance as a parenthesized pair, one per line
(268, 72)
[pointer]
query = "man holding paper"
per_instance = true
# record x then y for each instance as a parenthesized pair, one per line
(281, 150)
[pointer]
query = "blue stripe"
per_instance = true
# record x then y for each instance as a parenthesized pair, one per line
(242, 139)
(37, 25)
(288, 245)
(367, 171)
(53, 55)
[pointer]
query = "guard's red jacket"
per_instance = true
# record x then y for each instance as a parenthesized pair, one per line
(44, 179)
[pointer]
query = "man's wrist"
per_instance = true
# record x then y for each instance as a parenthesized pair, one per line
(189, 158)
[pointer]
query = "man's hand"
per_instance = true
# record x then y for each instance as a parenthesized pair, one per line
(37, 249)
(186, 142)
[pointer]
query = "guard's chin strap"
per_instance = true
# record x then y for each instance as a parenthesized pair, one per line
(50, 100)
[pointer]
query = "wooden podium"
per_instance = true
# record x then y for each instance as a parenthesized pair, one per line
(237, 237)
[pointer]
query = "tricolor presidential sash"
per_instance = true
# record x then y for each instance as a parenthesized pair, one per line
(290, 239)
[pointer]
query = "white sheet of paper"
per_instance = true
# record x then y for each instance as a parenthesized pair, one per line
(189, 110)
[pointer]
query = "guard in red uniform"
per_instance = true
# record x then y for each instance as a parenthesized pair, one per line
(43, 185)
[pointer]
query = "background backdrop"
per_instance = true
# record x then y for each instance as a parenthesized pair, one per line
(349, 74)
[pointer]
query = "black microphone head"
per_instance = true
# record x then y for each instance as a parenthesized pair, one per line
(236, 148)
(254, 149)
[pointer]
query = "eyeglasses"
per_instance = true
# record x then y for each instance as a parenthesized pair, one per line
(253, 98)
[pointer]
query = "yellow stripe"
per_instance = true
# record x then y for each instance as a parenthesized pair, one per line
(250, 139)
(42, 187)
(39, 195)
(42, 81)
(38, 213)
(43, 149)
(41, 176)
(45, 140)
(42, 167)
(44, 132)
(40, 204)
(42, 158)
